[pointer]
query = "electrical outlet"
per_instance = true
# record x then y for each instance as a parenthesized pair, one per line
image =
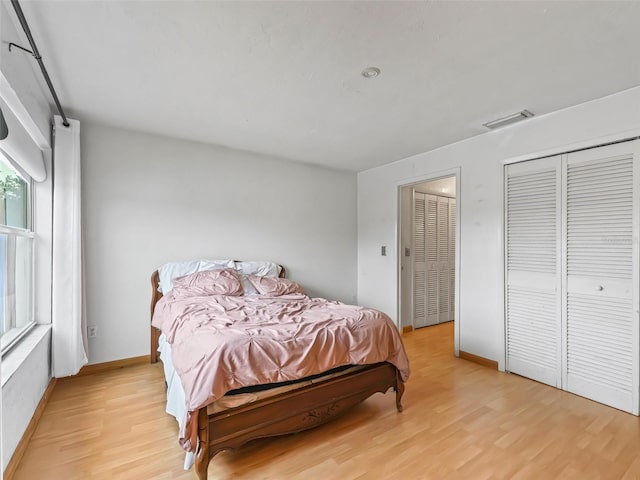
(92, 331)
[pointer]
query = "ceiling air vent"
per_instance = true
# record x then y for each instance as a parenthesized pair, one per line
(508, 120)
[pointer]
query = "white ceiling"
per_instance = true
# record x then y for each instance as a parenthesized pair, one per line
(283, 78)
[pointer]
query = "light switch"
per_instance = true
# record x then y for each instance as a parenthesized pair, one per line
(383, 251)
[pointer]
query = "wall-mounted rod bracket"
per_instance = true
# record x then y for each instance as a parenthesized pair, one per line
(11, 44)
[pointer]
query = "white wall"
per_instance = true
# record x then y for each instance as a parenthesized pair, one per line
(148, 200)
(26, 370)
(23, 389)
(479, 158)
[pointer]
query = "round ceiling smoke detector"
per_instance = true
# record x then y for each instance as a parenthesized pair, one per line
(371, 72)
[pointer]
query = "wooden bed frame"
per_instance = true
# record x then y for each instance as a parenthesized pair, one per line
(289, 412)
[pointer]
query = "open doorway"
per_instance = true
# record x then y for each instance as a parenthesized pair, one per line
(428, 250)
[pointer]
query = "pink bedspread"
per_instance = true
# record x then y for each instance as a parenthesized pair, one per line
(221, 343)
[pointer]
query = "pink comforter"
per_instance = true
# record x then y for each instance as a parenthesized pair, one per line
(221, 343)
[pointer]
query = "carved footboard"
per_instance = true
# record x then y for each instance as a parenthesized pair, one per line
(291, 412)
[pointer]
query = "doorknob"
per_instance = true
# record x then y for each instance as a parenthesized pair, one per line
(599, 288)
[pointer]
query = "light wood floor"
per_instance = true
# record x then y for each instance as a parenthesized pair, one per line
(461, 421)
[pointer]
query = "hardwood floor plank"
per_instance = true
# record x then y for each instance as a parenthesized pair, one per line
(461, 421)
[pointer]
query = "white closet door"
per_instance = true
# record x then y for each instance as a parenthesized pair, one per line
(419, 261)
(602, 275)
(434, 259)
(426, 265)
(443, 259)
(452, 258)
(533, 274)
(431, 234)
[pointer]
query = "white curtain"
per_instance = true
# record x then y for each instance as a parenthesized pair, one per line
(69, 352)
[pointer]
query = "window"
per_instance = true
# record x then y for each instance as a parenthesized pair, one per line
(16, 255)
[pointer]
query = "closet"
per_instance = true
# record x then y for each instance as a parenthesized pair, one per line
(572, 271)
(433, 259)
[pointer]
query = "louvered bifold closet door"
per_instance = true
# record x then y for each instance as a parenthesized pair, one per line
(443, 259)
(420, 261)
(452, 258)
(602, 275)
(533, 255)
(431, 234)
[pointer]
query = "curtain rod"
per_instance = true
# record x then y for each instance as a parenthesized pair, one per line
(36, 54)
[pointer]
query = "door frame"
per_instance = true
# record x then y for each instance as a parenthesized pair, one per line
(410, 182)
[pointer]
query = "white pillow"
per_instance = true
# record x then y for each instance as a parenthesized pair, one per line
(247, 286)
(260, 268)
(169, 271)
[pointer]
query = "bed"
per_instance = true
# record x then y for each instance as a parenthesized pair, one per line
(276, 408)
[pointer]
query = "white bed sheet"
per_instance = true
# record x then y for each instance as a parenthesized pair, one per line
(176, 404)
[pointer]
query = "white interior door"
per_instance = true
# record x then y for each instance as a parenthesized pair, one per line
(434, 259)
(432, 266)
(601, 257)
(452, 258)
(419, 261)
(443, 259)
(533, 273)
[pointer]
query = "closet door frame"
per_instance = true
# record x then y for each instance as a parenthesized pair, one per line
(566, 148)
